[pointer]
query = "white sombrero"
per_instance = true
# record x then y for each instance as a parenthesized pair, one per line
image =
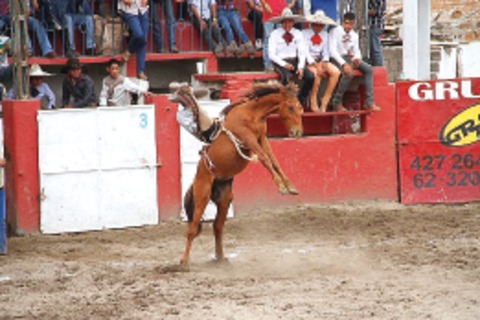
(287, 14)
(321, 18)
(36, 71)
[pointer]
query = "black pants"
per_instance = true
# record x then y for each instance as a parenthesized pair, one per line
(288, 75)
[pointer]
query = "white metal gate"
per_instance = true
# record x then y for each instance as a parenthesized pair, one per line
(97, 168)
(189, 148)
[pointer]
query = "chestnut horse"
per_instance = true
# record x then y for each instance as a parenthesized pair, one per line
(241, 138)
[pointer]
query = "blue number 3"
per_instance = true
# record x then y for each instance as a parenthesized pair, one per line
(143, 120)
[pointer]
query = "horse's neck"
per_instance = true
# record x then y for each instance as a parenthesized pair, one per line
(266, 105)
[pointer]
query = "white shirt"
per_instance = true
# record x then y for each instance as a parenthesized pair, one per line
(203, 7)
(343, 44)
(121, 93)
(315, 51)
(133, 8)
(278, 49)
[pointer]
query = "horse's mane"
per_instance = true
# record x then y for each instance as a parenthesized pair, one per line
(261, 89)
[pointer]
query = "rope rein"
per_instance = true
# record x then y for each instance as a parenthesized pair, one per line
(238, 144)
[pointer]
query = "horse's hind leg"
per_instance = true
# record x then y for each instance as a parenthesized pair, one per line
(222, 195)
(201, 194)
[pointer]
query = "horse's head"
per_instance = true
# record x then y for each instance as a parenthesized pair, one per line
(291, 111)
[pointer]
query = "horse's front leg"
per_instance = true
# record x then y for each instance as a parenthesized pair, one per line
(266, 160)
(276, 166)
(222, 195)
(201, 194)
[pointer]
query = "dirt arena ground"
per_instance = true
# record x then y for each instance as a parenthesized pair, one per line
(363, 260)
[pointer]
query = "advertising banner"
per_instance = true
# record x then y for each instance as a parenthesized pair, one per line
(438, 133)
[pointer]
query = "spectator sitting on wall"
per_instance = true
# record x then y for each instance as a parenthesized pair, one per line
(39, 90)
(5, 68)
(34, 25)
(204, 18)
(79, 13)
(345, 52)
(228, 19)
(167, 9)
(287, 51)
(316, 38)
(78, 90)
(116, 88)
(134, 13)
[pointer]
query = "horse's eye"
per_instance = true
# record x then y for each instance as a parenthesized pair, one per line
(290, 108)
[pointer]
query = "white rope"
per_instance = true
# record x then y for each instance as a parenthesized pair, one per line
(238, 145)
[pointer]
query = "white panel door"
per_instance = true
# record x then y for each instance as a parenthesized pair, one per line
(189, 152)
(97, 168)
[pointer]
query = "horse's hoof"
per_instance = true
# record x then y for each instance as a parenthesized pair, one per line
(292, 191)
(283, 190)
(184, 266)
(222, 260)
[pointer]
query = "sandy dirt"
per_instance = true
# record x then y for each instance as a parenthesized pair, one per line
(366, 260)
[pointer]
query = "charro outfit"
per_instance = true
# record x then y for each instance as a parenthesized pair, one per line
(289, 47)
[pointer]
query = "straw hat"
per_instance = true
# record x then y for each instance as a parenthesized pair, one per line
(287, 14)
(321, 18)
(36, 71)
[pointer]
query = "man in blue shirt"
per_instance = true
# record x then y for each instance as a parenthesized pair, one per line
(38, 89)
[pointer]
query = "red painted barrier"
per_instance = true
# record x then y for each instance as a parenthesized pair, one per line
(439, 140)
(167, 137)
(21, 174)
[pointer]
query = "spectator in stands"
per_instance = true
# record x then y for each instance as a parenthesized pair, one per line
(78, 89)
(271, 8)
(49, 14)
(318, 56)
(287, 51)
(255, 16)
(228, 19)
(205, 20)
(33, 26)
(157, 25)
(376, 22)
(116, 88)
(135, 14)
(345, 52)
(79, 13)
(5, 68)
(38, 89)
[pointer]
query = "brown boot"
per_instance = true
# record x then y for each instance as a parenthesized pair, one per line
(218, 50)
(250, 49)
(231, 49)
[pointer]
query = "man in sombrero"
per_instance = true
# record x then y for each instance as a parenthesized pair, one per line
(287, 51)
(78, 89)
(318, 56)
(38, 89)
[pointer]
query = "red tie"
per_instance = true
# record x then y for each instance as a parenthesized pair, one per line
(316, 39)
(288, 37)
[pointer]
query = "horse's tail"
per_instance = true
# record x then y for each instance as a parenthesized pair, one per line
(189, 205)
